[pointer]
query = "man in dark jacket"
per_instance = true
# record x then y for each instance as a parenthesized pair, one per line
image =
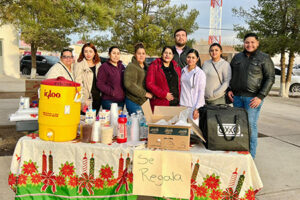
(181, 49)
(253, 75)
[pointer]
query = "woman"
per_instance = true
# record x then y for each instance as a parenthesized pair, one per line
(85, 72)
(218, 75)
(64, 67)
(163, 80)
(134, 81)
(110, 80)
(192, 83)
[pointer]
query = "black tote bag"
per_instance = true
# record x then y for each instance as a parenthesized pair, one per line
(225, 128)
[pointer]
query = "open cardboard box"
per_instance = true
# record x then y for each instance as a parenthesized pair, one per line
(168, 136)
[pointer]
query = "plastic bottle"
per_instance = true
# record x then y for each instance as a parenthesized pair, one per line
(140, 115)
(122, 129)
(34, 104)
(129, 122)
(143, 128)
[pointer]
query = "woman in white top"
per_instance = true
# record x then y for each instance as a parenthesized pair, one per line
(218, 75)
(64, 67)
(85, 72)
(192, 83)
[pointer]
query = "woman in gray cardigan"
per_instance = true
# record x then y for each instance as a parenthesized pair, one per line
(134, 81)
(218, 75)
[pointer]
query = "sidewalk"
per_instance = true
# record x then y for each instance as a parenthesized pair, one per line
(278, 154)
(9, 84)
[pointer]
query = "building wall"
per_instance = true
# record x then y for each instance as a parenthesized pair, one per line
(9, 56)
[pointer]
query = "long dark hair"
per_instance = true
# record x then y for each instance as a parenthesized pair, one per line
(96, 58)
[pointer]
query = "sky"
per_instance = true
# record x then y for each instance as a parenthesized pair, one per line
(228, 19)
(203, 6)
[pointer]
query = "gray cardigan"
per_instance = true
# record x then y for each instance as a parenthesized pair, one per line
(214, 89)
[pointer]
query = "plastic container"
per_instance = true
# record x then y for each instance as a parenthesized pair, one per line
(96, 131)
(59, 109)
(114, 114)
(34, 104)
(134, 130)
(122, 129)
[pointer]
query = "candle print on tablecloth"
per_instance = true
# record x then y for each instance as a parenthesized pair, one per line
(127, 162)
(121, 166)
(84, 164)
(196, 170)
(240, 183)
(50, 162)
(44, 162)
(233, 179)
(92, 166)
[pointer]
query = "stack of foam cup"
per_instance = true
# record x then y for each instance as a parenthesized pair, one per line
(96, 131)
(134, 131)
(114, 114)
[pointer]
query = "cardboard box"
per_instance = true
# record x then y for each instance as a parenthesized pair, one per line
(167, 136)
(33, 96)
(32, 85)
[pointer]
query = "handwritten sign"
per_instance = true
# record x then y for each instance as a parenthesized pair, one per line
(162, 173)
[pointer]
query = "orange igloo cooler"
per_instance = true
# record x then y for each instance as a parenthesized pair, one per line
(59, 109)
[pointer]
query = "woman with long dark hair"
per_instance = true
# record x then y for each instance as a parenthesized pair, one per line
(85, 73)
(163, 80)
(192, 83)
(110, 80)
(218, 75)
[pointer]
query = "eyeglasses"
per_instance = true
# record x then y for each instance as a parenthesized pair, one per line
(67, 57)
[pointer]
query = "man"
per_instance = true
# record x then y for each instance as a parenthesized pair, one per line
(253, 75)
(64, 67)
(181, 49)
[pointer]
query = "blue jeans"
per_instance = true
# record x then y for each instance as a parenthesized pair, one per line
(131, 106)
(253, 114)
(107, 103)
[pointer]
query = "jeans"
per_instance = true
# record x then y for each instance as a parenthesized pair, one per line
(107, 103)
(253, 114)
(131, 106)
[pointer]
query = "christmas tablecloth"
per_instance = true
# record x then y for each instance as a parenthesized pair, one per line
(70, 170)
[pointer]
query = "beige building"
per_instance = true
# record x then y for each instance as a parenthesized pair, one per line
(9, 51)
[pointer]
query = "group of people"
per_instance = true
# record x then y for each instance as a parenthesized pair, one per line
(176, 78)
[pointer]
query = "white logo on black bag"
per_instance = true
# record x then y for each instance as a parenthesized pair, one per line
(230, 130)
